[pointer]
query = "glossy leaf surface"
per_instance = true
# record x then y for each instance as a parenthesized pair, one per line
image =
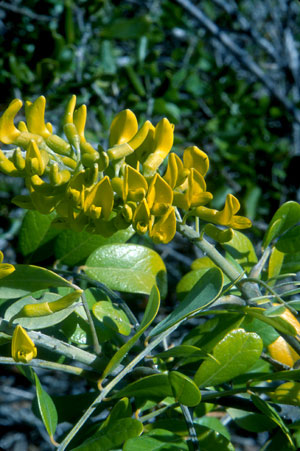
(127, 267)
(235, 354)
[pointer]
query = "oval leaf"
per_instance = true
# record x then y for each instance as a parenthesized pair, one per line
(285, 217)
(127, 267)
(155, 387)
(241, 248)
(206, 290)
(112, 317)
(112, 436)
(35, 231)
(184, 389)
(289, 243)
(27, 279)
(72, 247)
(235, 354)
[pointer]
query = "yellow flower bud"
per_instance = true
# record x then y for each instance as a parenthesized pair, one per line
(8, 131)
(34, 163)
(22, 347)
(18, 159)
(47, 308)
(7, 166)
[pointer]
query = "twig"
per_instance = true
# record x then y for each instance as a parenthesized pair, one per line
(245, 59)
(25, 12)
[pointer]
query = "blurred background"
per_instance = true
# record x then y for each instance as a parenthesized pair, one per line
(226, 73)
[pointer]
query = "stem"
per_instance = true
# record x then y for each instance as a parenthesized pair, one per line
(190, 425)
(112, 384)
(37, 363)
(106, 290)
(248, 289)
(55, 345)
(97, 347)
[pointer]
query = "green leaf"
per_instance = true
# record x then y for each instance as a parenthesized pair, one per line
(46, 407)
(28, 279)
(285, 217)
(291, 263)
(122, 409)
(289, 243)
(35, 231)
(287, 393)
(213, 424)
(271, 413)
(190, 279)
(112, 317)
(184, 389)
(290, 375)
(277, 322)
(127, 267)
(183, 351)
(235, 354)
(127, 28)
(266, 332)
(275, 264)
(208, 334)
(206, 290)
(72, 248)
(42, 321)
(155, 387)
(241, 248)
(113, 435)
(150, 313)
(253, 422)
(156, 440)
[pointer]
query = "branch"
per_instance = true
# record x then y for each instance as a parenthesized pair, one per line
(25, 12)
(55, 345)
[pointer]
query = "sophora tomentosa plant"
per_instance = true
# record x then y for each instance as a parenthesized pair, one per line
(138, 184)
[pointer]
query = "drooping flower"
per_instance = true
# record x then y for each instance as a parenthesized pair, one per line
(22, 347)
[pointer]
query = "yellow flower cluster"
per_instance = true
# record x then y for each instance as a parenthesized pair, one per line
(105, 191)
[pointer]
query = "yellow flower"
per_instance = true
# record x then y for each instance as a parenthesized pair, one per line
(22, 347)
(123, 128)
(160, 196)
(5, 268)
(195, 194)
(100, 200)
(164, 229)
(141, 218)
(163, 142)
(134, 185)
(195, 158)
(225, 217)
